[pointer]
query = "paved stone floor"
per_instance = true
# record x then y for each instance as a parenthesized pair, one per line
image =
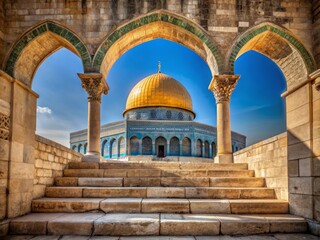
(252, 237)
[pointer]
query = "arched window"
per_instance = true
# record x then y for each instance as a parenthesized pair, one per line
(104, 149)
(121, 147)
(74, 147)
(174, 147)
(146, 146)
(80, 148)
(206, 149)
(199, 148)
(134, 146)
(85, 148)
(113, 148)
(186, 147)
(161, 147)
(213, 149)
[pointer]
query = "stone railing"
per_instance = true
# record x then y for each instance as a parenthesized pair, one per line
(50, 160)
(269, 160)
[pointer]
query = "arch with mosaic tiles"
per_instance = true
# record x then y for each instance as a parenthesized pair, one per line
(279, 45)
(159, 24)
(37, 44)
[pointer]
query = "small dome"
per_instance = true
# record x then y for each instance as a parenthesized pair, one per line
(159, 90)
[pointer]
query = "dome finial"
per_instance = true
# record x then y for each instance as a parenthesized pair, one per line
(159, 67)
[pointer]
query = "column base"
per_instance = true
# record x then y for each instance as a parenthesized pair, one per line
(92, 157)
(224, 158)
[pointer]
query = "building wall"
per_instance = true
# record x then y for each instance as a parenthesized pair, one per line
(269, 160)
(316, 30)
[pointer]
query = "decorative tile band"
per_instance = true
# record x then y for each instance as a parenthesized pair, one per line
(39, 30)
(162, 17)
(307, 58)
(4, 126)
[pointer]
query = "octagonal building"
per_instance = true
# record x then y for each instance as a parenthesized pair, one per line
(158, 123)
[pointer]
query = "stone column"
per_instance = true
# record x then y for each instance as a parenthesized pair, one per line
(222, 87)
(95, 86)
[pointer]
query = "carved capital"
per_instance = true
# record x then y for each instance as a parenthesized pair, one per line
(222, 86)
(94, 84)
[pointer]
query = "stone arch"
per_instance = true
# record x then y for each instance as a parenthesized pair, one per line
(280, 46)
(74, 147)
(80, 148)
(199, 152)
(113, 148)
(121, 147)
(36, 44)
(174, 146)
(104, 148)
(206, 149)
(146, 146)
(186, 147)
(161, 146)
(134, 145)
(85, 146)
(213, 149)
(158, 24)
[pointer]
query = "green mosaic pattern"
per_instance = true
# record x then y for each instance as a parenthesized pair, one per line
(32, 34)
(307, 58)
(154, 18)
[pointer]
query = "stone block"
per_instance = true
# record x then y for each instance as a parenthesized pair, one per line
(185, 182)
(83, 165)
(299, 134)
(19, 170)
(189, 224)
(243, 224)
(38, 190)
(20, 185)
(63, 192)
(127, 225)
(34, 223)
(4, 228)
(141, 182)
(305, 167)
(165, 206)
(73, 223)
(183, 173)
(265, 206)
(231, 173)
(300, 185)
(287, 224)
(218, 193)
(301, 205)
(67, 205)
(100, 182)
(293, 168)
(121, 205)
(298, 116)
(66, 181)
(83, 172)
(257, 193)
(237, 182)
(115, 173)
(208, 206)
(115, 192)
(4, 150)
(168, 192)
(143, 173)
(299, 150)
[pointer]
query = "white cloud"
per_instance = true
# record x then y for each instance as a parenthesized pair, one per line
(44, 110)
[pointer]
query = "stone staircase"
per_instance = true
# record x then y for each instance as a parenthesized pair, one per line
(158, 198)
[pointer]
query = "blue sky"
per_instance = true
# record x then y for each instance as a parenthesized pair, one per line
(257, 110)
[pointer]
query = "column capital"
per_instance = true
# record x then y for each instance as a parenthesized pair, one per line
(94, 84)
(222, 86)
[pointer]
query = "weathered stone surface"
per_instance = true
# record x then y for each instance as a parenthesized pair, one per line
(63, 192)
(230, 173)
(183, 173)
(207, 206)
(257, 193)
(143, 173)
(121, 205)
(258, 206)
(184, 182)
(168, 192)
(237, 182)
(67, 205)
(141, 182)
(165, 206)
(295, 236)
(100, 182)
(205, 192)
(83, 165)
(71, 237)
(73, 223)
(189, 224)
(127, 224)
(115, 192)
(66, 181)
(35, 223)
(286, 223)
(83, 172)
(243, 224)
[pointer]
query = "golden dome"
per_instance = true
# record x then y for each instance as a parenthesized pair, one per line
(159, 90)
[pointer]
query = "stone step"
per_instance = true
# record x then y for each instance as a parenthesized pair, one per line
(160, 192)
(159, 205)
(138, 224)
(158, 165)
(161, 182)
(155, 173)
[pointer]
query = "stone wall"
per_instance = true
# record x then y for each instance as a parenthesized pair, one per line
(269, 160)
(316, 30)
(50, 159)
